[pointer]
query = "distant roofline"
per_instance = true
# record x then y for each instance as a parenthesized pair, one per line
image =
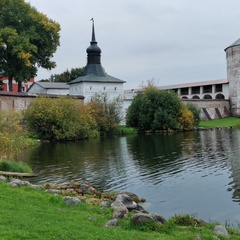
(185, 85)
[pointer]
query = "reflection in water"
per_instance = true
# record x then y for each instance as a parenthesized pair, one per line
(192, 172)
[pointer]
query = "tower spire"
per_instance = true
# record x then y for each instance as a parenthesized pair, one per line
(93, 51)
(93, 31)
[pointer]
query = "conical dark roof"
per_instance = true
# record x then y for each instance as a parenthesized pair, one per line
(94, 72)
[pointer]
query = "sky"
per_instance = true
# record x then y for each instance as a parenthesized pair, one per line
(165, 41)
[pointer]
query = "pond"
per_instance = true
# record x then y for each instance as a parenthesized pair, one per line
(179, 173)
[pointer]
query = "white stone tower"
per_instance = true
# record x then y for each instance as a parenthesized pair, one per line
(233, 75)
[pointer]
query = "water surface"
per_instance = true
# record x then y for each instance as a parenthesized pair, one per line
(179, 173)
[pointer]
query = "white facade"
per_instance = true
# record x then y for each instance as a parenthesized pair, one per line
(89, 89)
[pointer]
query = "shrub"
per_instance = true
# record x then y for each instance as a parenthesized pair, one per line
(184, 220)
(59, 119)
(154, 110)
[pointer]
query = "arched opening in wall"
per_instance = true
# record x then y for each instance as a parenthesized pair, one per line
(220, 96)
(195, 97)
(184, 97)
(207, 97)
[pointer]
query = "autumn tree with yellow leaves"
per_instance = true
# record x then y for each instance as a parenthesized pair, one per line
(28, 40)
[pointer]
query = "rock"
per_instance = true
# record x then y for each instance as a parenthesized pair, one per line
(120, 212)
(112, 223)
(133, 196)
(37, 186)
(127, 201)
(84, 187)
(53, 191)
(18, 183)
(105, 204)
(221, 231)
(140, 209)
(141, 218)
(3, 179)
(158, 218)
(72, 201)
(216, 238)
(117, 204)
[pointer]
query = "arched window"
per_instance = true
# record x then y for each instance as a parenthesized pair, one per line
(220, 96)
(184, 97)
(207, 97)
(195, 97)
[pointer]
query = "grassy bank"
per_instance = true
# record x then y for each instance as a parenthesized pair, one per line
(28, 213)
(224, 122)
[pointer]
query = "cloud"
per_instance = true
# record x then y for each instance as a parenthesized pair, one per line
(176, 41)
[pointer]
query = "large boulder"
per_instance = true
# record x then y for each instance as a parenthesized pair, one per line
(120, 212)
(133, 196)
(126, 201)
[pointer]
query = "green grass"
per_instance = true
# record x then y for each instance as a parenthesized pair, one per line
(13, 166)
(28, 213)
(123, 130)
(224, 122)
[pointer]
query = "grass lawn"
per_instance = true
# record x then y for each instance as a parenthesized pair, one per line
(28, 213)
(224, 122)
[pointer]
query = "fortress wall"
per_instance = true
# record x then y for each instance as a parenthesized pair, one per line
(212, 108)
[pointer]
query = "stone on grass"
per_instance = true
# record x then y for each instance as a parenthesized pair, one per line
(158, 218)
(3, 179)
(120, 212)
(105, 204)
(221, 231)
(141, 218)
(18, 183)
(53, 191)
(72, 201)
(112, 223)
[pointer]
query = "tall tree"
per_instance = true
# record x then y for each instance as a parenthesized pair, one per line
(28, 40)
(67, 75)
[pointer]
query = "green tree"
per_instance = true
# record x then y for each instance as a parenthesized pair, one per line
(154, 110)
(28, 40)
(67, 75)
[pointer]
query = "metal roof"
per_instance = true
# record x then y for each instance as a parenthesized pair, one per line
(52, 85)
(195, 84)
(236, 43)
(17, 94)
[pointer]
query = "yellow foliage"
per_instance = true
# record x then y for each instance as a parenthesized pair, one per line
(186, 119)
(26, 58)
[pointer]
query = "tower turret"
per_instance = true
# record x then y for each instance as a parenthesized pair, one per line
(233, 75)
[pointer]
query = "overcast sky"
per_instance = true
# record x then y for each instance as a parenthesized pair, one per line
(170, 41)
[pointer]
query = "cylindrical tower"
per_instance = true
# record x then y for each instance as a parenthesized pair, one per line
(233, 75)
